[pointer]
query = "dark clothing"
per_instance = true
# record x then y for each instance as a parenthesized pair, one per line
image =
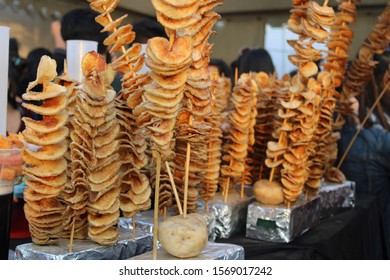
(368, 164)
(59, 55)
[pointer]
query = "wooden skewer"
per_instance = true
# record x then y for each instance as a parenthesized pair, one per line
(174, 188)
(65, 67)
(156, 202)
(362, 125)
(123, 49)
(171, 40)
(242, 185)
(261, 171)
(72, 236)
(187, 172)
(226, 191)
(133, 224)
(210, 145)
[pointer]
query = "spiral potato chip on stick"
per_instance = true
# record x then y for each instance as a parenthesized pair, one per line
(246, 177)
(358, 76)
(340, 40)
(221, 91)
(196, 20)
(45, 168)
(300, 113)
(162, 97)
(73, 196)
(362, 67)
(336, 63)
(95, 151)
(236, 150)
(132, 144)
(270, 90)
(325, 151)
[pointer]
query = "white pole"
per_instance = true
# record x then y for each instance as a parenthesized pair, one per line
(4, 56)
(75, 52)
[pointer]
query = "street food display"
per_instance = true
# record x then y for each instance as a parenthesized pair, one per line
(181, 135)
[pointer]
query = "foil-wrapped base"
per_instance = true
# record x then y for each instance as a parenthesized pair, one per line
(281, 224)
(230, 217)
(336, 196)
(213, 251)
(127, 247)
(145, 220)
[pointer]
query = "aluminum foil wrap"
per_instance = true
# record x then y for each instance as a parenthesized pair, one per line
(127, 247)
(213, 251)
(144, 220)
(336, 196)
(230, 217)
(281, 224)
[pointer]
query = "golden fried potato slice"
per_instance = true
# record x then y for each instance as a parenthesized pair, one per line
(103, 220)
(309, 69)
(51, 90)
(49, 152)
(47, 124)
(176, 55)
(170, 82)
(175, 11)
(104, 173)
(50, 204)
(46, 73)
(101, 6)
(49, 106)
(42, 139)
(106, 201)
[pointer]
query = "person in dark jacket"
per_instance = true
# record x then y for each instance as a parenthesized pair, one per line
(368, 161)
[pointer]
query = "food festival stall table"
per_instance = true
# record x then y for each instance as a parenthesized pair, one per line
(355, 233)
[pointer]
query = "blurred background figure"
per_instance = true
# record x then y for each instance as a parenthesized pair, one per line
(236, 63)
(147, 28)
(252, 60)
(256, 60)
(15, 68)
(59, 51)
(77, 24)
(219, 66)
(367, 163)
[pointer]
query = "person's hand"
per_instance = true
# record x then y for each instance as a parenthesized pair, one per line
(56, 33)
(56, 28)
